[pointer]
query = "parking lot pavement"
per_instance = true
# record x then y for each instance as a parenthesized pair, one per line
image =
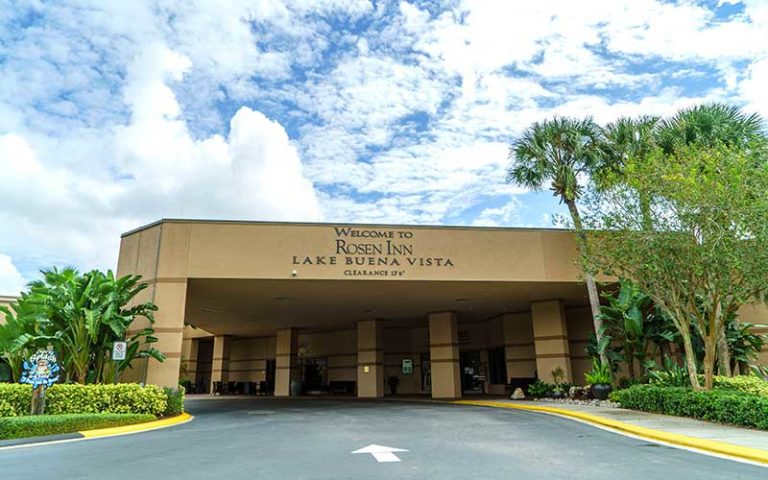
(336, 439)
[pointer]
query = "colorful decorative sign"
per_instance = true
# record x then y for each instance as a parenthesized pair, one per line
(41, 370)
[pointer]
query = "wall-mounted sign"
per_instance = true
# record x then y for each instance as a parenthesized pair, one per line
(118, 350)
(373, 252)
(407, 366)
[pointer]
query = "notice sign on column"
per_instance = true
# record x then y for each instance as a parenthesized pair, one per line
(407, 365)
(118, 350)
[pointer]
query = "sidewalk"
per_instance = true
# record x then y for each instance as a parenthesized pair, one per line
(721, 439)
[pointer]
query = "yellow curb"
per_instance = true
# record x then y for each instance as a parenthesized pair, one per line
(138, 427)
(721, 448)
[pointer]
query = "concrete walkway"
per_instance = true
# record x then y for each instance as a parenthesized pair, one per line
(743, 437)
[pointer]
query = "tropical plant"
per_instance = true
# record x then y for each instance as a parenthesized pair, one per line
(600, 374)
(705, 255)
(558, 153)
(745, 346)
(671, 375)
(712, 125)
(641, 329)
(23, 332)
(82, 315)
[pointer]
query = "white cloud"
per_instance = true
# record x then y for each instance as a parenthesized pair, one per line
(11, 281)
(116, 114)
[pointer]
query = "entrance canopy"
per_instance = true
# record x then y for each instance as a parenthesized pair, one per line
(258, 308)
(261, 286)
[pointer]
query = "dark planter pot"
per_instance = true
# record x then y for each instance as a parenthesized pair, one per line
(296, 388)
(393, 389)
(601, 391)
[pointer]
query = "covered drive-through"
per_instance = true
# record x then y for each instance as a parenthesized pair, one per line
(364, 309)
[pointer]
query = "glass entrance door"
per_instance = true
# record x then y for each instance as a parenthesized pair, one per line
(472, 373)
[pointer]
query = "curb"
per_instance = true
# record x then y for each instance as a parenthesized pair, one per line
(137, 427)
(711, 446)
(97, 433)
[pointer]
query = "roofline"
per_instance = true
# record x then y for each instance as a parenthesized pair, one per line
(336, 224)
(8, 298)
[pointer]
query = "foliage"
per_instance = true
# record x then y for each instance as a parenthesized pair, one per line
(723, 406)
(539, 389)
(556, 153)
(600, 373)
(82, 315)
(672, 375)
(38, 425)
(745, 346)
(749, 384)
(73, 398)
(704, 255)
(23, 331)
(175, 401)
(558, 375)
(641, 329)
(6, 409)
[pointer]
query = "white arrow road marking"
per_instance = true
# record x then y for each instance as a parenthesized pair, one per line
(381, 453)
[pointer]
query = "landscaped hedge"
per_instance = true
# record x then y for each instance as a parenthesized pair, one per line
(75, 399)
(722, 406)
(38, 425)
(750, 384)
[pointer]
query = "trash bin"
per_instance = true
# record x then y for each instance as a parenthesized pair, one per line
(297, 387)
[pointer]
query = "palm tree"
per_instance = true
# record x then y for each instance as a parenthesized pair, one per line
(628, 138)
(557, 153)
(710, 125)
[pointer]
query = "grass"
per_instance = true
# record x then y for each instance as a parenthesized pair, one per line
(39, 425)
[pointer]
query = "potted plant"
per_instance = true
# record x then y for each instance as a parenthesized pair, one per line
(599, 379)
(393, 382)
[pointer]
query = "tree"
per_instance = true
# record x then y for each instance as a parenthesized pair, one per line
(83, 315)
(557, 153)
(711, 125)
(706, 252)
(23, 332)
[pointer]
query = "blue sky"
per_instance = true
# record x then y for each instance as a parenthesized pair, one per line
(114, 114)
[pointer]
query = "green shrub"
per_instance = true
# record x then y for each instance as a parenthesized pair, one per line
(722, 406)
(539, 389)
(750, 384)
(72, 398)
(18, 396)
(38, 425)
(175, 401)
(6, 409)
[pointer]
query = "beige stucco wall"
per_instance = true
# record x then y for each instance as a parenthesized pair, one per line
(4, 302)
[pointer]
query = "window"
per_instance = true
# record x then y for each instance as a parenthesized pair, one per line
(497, 366)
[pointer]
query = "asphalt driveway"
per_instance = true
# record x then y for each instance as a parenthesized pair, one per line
(313, 439)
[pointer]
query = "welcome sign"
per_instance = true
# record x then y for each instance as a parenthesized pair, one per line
(374, 252)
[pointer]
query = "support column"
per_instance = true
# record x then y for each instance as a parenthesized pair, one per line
(444, 355)
(220, 367)
(370, 359)
(286, 361)
(189, 351)
(551, 340)
(519, 351)
(170, 296)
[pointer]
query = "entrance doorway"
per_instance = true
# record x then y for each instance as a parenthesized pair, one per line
(270, 377)
(204, 365)
(472, 373)
(314, 373)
